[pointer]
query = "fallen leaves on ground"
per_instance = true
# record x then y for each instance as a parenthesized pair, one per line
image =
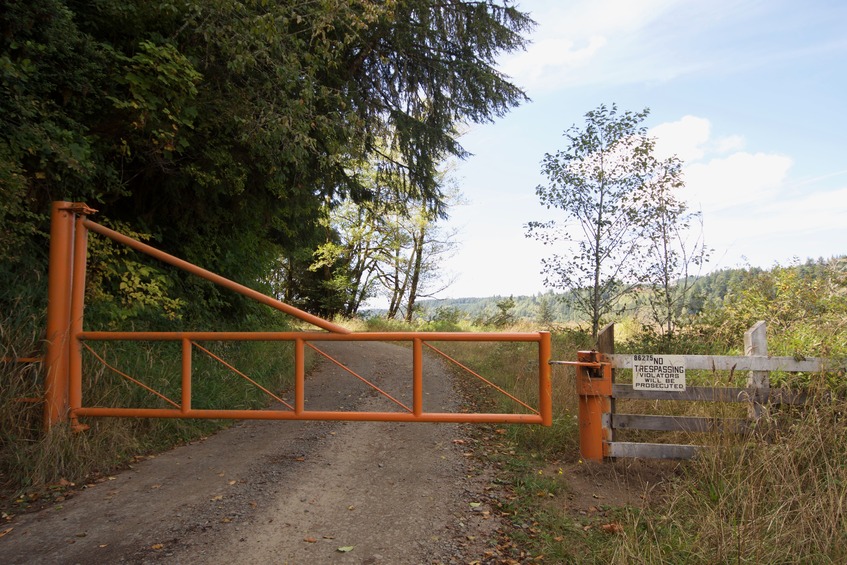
(612, 528)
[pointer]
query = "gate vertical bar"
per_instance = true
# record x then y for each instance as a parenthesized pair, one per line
(58, 314)
(545, 387)
(187, 351)
(80, 257)
(417, 376)
(299, 376)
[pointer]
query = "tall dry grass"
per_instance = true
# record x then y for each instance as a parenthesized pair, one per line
(514, 368)
(31, 459)
(778, 495)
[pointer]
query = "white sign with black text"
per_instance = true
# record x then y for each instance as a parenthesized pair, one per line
(658, 372)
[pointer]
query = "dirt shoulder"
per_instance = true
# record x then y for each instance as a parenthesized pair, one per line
(287, 492)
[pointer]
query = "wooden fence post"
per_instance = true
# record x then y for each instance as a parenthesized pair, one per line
(606, 346)
(758, 382)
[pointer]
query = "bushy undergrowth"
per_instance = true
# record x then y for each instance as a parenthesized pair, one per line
(776, 495)
(31, 458)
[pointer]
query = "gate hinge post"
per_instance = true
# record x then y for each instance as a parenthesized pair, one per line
(594, 387)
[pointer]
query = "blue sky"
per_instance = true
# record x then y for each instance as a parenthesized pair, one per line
(752, 95)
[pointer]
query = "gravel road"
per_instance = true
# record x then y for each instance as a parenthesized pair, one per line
(288, 492)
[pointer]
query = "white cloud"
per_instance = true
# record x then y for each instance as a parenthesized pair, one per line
(551, 54)
(600, 41)
(690, 139)
(686, 138)
(776, 230)
(718, 174)
(741, 178)
(728, 144)
(745, 196)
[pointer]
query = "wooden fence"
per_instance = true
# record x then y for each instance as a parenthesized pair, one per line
(598, 390)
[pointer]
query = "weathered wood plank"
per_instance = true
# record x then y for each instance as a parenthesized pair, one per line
(677, 423)
(735, 363)
(756, 345)
(653, 450)
(713, 394)
(606, 344)
(691, 393)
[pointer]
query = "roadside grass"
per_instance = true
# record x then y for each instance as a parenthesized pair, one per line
(777, 494)
(38, 466)
(529, 461)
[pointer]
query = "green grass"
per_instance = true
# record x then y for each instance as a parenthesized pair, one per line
(31, 460)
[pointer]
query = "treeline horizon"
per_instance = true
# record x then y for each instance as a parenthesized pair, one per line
(709, 291)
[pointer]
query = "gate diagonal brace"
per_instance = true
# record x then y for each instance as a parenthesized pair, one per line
(361, 378)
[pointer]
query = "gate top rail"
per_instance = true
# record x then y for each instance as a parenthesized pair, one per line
(310, 336)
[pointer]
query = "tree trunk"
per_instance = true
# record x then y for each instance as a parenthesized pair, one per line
(415, 264)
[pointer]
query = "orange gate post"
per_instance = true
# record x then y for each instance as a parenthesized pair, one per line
(59, 289)
(594, 386)
(78, 266)
(545, 378)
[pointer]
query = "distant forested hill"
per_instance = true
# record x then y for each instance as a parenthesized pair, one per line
(708, 292)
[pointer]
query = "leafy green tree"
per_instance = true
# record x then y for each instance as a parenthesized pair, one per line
(222, 128)
(600, 183)
(805, 310)
(546, 314)
(411, 270)
(505, 313)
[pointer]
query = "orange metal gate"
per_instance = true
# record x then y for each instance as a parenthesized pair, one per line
(67, 338)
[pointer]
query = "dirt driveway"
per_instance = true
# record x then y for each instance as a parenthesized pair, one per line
(287, 492)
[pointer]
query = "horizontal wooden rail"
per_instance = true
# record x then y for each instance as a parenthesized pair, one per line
(652, 450)
(691, 424)
(734, 363)
(624, 391)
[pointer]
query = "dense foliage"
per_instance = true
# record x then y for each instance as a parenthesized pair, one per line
(224, 128)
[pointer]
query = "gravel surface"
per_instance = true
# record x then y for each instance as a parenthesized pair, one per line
(288, 492)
